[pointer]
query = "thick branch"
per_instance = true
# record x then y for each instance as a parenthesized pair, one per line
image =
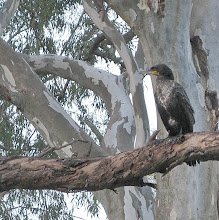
(124, 169)
(87, 76)
(113, 35)
(21, 86)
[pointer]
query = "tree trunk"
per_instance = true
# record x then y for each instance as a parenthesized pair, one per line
(165, 30)
(191, 193)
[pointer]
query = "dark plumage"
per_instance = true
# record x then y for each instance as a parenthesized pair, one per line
(172, 103)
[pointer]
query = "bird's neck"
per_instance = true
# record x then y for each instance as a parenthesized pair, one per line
(162, 82)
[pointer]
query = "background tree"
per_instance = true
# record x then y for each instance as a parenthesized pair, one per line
(171, 32)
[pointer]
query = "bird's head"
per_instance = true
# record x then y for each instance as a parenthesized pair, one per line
(161, 70)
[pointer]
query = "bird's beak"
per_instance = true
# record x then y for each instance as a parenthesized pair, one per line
(153, 72)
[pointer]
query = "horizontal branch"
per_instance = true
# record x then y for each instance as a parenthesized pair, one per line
(99, 81)
(124, 169)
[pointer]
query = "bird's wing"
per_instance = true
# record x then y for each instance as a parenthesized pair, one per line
(184, 102)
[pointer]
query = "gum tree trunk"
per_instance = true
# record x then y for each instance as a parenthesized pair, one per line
(165, 29)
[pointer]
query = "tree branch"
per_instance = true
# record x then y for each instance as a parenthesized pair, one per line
(50, 149)
(100, 38)
(7, 13)
(94, 129)
(136, 82)
(4, 92)
(108, 86)
(22, 86)
(124, 169)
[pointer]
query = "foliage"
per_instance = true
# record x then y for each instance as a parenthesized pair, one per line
(88, 200)
(37, 204)
(18, 136)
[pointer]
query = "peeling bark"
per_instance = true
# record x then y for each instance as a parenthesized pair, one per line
(124, 169)
(200, 57)
(211, 101)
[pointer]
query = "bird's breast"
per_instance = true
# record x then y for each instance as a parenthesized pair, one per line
(163, 94)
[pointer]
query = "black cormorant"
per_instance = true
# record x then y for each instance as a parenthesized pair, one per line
(172, 102)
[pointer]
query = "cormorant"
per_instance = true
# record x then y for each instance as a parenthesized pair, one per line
(173, 103)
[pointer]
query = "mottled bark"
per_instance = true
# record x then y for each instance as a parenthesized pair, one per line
(125, 209)
(134, 72)
(112, 89)
(21, 86)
